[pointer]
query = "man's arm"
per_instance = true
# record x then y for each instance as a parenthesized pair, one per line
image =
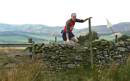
(81, 20)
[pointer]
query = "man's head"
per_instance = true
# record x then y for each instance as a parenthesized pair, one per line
(73, 16)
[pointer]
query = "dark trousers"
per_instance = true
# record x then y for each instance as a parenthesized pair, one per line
(71, 35)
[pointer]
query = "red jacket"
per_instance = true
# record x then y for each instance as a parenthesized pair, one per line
(70, 25)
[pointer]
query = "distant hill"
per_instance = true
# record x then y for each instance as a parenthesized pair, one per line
(18, 33)
(21, 32)
(102, 29)
(30, 28)
(120, 27)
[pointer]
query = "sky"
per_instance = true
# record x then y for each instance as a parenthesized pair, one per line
(57, 12)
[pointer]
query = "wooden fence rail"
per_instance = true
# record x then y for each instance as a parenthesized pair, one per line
(28, 45)
(16, 45)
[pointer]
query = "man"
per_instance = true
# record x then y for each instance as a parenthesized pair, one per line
(67, 33)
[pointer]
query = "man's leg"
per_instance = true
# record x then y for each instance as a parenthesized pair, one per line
(73, 39)
(64, 37)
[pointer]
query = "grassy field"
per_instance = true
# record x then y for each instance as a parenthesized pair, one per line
(11, 51)
(107, 37)
(37, 71)
(23, 68)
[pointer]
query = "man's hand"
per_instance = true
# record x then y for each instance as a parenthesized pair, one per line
(87, 18)
(90, 17)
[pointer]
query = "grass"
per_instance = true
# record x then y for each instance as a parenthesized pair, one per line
(20, 72)
(11, 50)
(37, 71)
(26, 69)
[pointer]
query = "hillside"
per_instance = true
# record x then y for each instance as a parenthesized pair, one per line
(20, 33)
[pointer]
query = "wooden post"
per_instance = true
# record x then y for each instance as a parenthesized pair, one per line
(90, 43)
(116, 38)
(55, 39)
(30, 48)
